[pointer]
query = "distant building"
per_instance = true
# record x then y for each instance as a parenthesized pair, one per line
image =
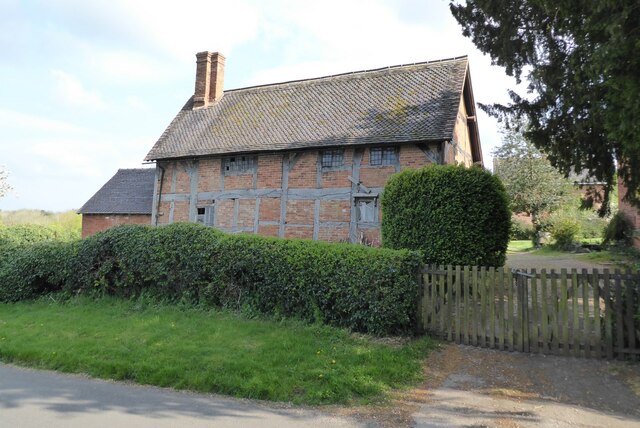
(125, 199)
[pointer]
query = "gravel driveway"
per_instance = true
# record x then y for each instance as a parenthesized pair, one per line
(476, 387)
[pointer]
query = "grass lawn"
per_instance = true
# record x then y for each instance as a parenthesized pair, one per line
(548, 250)
(207, 351)
(519, 246)
(618, 259)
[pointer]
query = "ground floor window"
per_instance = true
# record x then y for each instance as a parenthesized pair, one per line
(205, 215)
(366, 209)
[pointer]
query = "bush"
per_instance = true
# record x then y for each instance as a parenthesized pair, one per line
(454, 215)
(564, 231)
(361, 288)
(13, 237)
(41, 268)
(619, 231)
(521, 230)
(591, 224)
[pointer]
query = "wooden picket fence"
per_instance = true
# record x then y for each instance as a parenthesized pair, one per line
(574, 313)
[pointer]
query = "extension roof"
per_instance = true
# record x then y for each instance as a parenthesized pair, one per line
(407, 103)
(129, 191)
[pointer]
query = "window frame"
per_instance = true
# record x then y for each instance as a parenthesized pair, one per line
(336, 159)
(368, 200)
(389, 156)
(207, 217)
(238, 165)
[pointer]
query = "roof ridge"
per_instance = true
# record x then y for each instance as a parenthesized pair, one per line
(135, 169)
(401, 103)
(371, 70)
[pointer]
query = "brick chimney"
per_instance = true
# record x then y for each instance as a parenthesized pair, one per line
(209, 79)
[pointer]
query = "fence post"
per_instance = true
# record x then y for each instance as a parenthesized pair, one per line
(419, 327)
(525, 312)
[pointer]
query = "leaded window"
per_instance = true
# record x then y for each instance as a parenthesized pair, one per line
(383, 156)
(238, 165)
(332, 158)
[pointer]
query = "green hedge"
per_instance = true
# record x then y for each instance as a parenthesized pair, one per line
(360, 288)
(454, 215)
(12, 237)
(41, 268)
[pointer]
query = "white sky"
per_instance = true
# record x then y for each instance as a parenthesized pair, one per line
(87, 86)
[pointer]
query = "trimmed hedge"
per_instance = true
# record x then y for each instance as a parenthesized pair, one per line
(364, 289)
(12, 237)
(454, 215)
(31, 271)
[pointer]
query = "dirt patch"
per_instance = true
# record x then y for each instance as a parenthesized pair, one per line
(467, 386)
(494, 388)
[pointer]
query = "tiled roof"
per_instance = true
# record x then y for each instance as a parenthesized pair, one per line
(417, 102)
(129, 191)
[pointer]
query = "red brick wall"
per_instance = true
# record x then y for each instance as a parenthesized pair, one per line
(303, 173)
(183, 182)
(630, 212)
(246, 212)
(237, 182)
(333, 222)
(225, 213)
(300, 211)
(377, 176)
(270, 209)
(333, 210)
(94, 223)
(334, 234)
(163, 212)
(412, 157)
(209, 175)
(269, 171)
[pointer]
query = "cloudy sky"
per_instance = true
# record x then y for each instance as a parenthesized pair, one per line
(87, 86)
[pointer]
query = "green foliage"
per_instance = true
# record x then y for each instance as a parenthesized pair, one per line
(37, 269)
(454, 215)
(564, 231)
(364, 289)
(521, 230)
(14, 237)
(533, 186)
(67, 224)
(619, 231)
(582, 72)
(207, 351)
(26, 234)
(589, 224)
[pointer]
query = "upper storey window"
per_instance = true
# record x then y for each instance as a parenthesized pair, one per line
(383, 156)
(332, 158)
(238, 165)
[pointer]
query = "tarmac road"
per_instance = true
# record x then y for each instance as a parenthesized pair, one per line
(34, 398)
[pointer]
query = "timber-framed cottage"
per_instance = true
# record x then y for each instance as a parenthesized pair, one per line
(309, 158)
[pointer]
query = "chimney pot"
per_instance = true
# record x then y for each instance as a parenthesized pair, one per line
(216, 85)
(209, 79)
